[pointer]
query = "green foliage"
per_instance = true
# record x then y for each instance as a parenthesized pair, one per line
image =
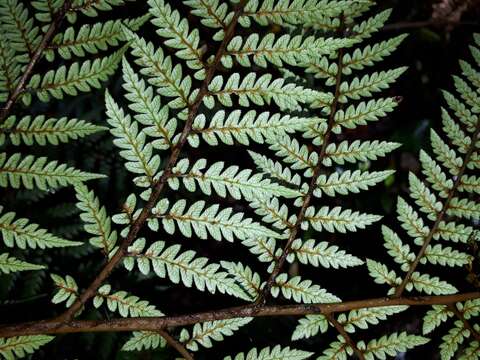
(309, 73)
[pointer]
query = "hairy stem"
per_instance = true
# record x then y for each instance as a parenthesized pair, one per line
(313, 184)
(160, 184)
(37, 54)
(441, 215)
(158, 323)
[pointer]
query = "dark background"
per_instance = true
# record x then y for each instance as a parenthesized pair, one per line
(431, 52)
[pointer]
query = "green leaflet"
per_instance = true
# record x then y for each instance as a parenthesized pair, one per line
(30, 172)
(301, 291)
(204, 221)
(42, 130)
(9, 264)
(274, 353)
(20, 232)
(238, 183)
(21, 346)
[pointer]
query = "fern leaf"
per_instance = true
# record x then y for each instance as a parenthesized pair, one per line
(78, 77)
(349, 181)
(144, 340)
(445, 154)
(435, 317)
(259, 91)
(369, 84)
(453, 340)
(149, 111)
(263, 248)
(357, 151)
(220, 224)
(463, 208)
(161, 73)
(355, 115)
(97, 222)
(67, 290)
(391, 345)
(41, 130)
(10, 264)
(245, 127)
(247, 280)
(274, 169)
(321, 254)
(275, 353)
(424, 198)
(310, 326)
(299, 156)
(19, 28)
(291, 50)
(213, 14)
(445, 256)
(336, 219)
(30, 172)
(90, 38)
(127, 305)
(434, 174)
(10, 68)
(203, 334)
(178, 266)
(430, 285)
(287, 12)
(226, 181)
(396, 249)
(301, 291)
(362, 318)
(273, 212)
(381, 274)
(369, 55)
(22, 233)
(138, 153)
(22, 346)
(411, 222)
(176, 31)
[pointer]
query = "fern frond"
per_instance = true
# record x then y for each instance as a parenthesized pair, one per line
(424, 198)
(203, 334)
(369, 55)
(259, 91)
(149, 111)
(132, 141)
(321, 254)
(381, 274)
(274, 169)
(445, 256)
(274, 353)
(246, 126)
(10, 68)
(435, 317)
(263, 248)
(176, 31)
(30, 172)
(362, 318)
(357, 151)
(399, 251)
(226, 181)
(391, 345)
(91, 38)
(10, 264)
(213, 14)
(369, 84)
(430, 285)
(286, 49)
(178, 266)
(287, 12)
(310, 326)
(22, 233)
(452, 340)
(144, 340)
(78, 77)
(97, 222)
(355, 115)
(220, 224)
(247, 280)
(67, 290)
(41, 130)
(273, 212)
(19, 28)
(298, 156)
(336, 219)
(127, 305)
(301, 291)
(22, 346)
(349, 181)
(161, 72)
